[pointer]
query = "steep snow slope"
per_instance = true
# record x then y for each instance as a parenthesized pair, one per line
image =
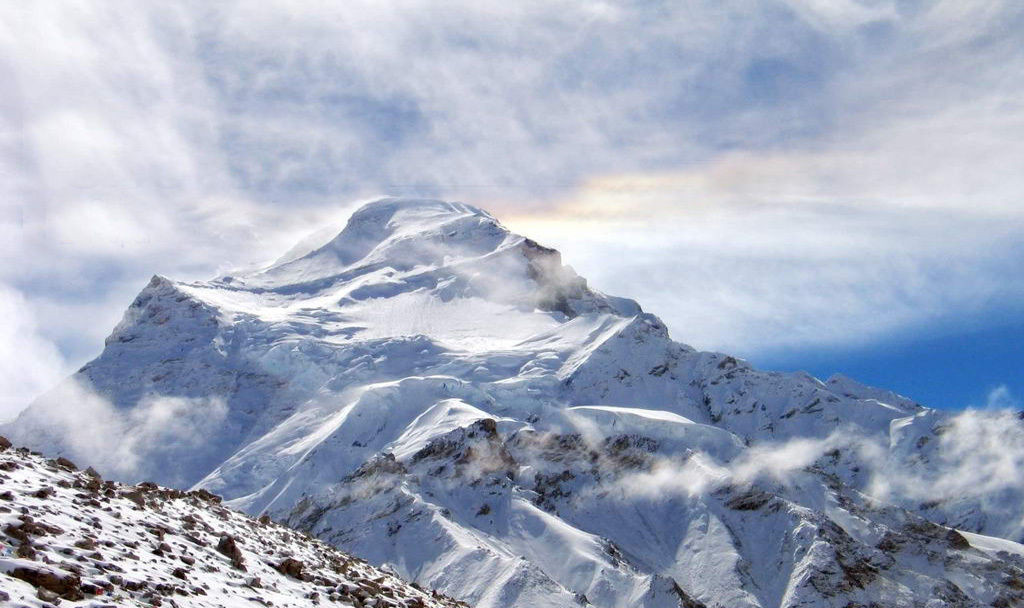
(69, 537)
(433, 392)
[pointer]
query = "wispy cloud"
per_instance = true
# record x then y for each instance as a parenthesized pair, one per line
(151, 438)
(182, 139)
(1001, 398)
(29, 363)
(970, 465)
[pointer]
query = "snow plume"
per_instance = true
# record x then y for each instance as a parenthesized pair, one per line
(481, 261)
(118, 441)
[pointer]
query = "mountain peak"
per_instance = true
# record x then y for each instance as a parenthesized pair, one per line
(399, 246)
(399, 233)
(401, 211)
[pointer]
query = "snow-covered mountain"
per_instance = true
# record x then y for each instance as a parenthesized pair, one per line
(432, 392)
(71, 538)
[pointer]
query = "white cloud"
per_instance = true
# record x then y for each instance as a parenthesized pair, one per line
(698, 475)
(1000, 398)
(160, 431)
(754, 277)
(185, 139)
(29, 363)
(976, 461)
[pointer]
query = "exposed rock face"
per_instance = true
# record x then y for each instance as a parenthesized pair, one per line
(438, 394)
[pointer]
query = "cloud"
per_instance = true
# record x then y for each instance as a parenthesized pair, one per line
(1000, 398)
(982, 453)
(760, 143)
(128, 444)
(29, 363)
(905, 225)
(972, 469)
(755, 279)
(698, 473)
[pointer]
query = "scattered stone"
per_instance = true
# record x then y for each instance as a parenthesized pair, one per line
(26, 551)
(64, 463)
(47, 596)
(291, 567)
(82, 499)
(135, 496)
(229, 547)
(64, 584)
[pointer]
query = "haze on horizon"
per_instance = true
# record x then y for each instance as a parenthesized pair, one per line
(833, 185)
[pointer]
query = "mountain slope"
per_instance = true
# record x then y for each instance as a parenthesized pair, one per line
(433, 392)
(68, 535)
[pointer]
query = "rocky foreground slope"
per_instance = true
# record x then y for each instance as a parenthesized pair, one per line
(68, 537)
(433, 392)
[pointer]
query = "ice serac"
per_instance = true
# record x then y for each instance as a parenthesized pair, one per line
(433, 392)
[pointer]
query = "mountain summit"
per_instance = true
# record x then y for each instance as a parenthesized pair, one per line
(430, 391)
(392, 246)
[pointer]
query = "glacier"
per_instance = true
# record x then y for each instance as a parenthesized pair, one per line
(434, 393)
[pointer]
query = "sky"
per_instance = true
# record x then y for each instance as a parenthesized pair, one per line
(827, 185)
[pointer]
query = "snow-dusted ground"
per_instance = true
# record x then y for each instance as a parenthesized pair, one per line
(71, 538)
(432, 392)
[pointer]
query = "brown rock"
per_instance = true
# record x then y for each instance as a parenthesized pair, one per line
(229, 547)
(66, 464)
(291, 567)
(47, 596)
(136, 496)
(63, 584)
(205, 495)
(26, 551)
